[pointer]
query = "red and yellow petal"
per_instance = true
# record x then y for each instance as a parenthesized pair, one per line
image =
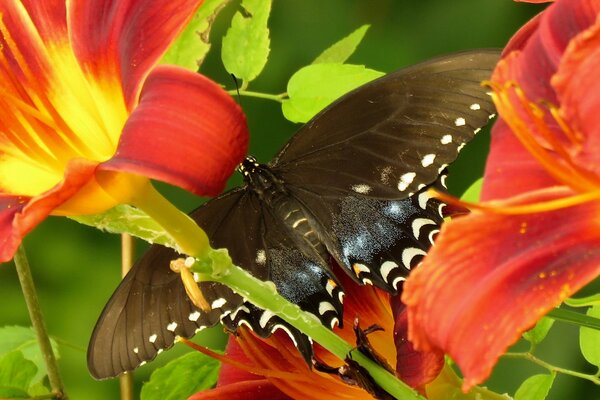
(490, 277)
(126, 37)
(186, 131)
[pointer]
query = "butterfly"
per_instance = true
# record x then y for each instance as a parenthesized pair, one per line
(349, 188)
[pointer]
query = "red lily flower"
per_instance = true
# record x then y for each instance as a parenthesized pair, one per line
(274, 369)
(85, 119)
(494, 273)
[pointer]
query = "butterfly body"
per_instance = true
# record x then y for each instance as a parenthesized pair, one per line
(350, 188)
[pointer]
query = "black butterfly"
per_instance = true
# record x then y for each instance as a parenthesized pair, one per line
(350, 186)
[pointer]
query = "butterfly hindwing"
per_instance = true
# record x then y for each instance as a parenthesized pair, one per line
(390, 137)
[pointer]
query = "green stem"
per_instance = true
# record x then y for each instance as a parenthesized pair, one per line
(574, 318)
(553, 368)
(37, 320)
(264, 295)
(276, 97)
(190, 238)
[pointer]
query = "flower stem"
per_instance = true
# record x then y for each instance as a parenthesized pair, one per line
(553, 368)
(37, 320)
(190, 238)
(275, 97)
(264, 295)
(127, 256)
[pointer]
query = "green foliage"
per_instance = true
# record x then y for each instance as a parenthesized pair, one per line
(589, 339)
(473, 193)
(246, 45)
(538, 333)
(16, 375)
(190, 48)
(181, 378)
(583, 301)
(535, 387)
(342, 50)
(315, 86)
(23, 340)
(127, 219)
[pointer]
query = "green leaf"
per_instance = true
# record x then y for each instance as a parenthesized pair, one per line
(127, 219)
(16, 375)
(589, 339)
(583, 301)
(23, 339)
(192, 44)
(246, 44)
(315, 86)
(535, 387)
(342, 50)
(537, 334)
(473, 193)
(181, 378)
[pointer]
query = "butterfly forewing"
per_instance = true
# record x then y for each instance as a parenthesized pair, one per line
(389, 138)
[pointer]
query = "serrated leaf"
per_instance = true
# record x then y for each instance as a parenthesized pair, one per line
(246, 44)
(315, 86)
(192, 44)
(126, 219)
(535, 387)
(538, 333)
(182, 377)
(473, 193)
(340, 51)
(23, 339)
(16, 375)
(589, 339)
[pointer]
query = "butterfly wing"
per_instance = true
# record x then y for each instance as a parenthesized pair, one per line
(390, 137)
(150, 307)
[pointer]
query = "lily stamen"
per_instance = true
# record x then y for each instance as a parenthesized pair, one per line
(191, 287)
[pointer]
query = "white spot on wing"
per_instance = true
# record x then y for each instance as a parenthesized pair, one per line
(406, 180)
(385, 174)
(419, 223)
(153, 338)
(261, 257)
(428, 160)
(172, 326)
(325, 306)
(446, 139)
(423, 199)
(264, 318)
(136, 350)
(397, 281)
(362, 188)
(408, 254)
(460, 121)
(218, 303)
(194, 316)
(475, 107)
(386, 268)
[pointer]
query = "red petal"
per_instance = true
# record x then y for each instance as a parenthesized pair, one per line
(186, 131)
(245, 390)
(230, 374)
(130, 35)
(578, 86)
(510, 169)
(49, 17)
(415, 368)
(19, 215)
(491, 277)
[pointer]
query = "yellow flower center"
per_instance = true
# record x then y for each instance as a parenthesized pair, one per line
(52, 109)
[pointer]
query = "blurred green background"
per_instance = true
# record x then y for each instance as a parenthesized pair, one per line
(76, 268)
